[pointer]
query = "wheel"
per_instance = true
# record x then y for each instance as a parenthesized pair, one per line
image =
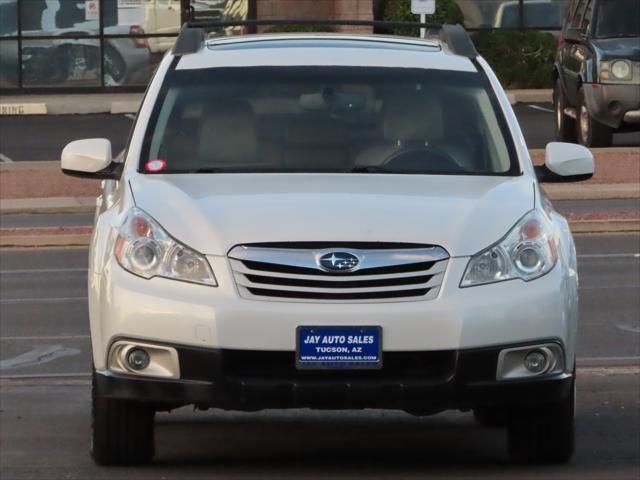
(543, 434)
(591, 133)
(122, 431)
(490, 417)
(565, 125)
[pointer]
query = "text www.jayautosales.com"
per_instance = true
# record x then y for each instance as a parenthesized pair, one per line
(338, 358)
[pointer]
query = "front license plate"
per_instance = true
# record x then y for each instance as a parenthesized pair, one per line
(339, 347)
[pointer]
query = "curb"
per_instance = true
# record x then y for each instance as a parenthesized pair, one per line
(81, 239)
(121, 103)
(47, 205)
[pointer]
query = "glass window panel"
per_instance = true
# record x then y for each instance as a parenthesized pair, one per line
(8, 18)
(68, 62)
(59, 17)
(131, 61)
(148, 16)
(490, 13)
(8, 63)
(544, 13)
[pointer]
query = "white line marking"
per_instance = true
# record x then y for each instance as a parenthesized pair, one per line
(39, 355)
(609, 287)
(43, 376)
(542, 109)
(629, 328)
(5, 159)
(633, 359)
(46, 337)
(610, 255)
(42, 270)
(130, 116)
(18, 301)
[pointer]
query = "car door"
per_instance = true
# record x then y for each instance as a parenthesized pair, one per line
(578, 51)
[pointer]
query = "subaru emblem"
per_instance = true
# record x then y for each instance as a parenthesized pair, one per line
(338, 262)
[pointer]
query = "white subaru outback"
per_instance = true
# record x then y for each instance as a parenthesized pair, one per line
(334, 222)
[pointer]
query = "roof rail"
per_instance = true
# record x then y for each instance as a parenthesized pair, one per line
(193, 34)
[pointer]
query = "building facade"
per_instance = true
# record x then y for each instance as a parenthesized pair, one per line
(89, 45)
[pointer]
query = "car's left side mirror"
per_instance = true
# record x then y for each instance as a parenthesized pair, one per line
(90, 158)
(566, 162)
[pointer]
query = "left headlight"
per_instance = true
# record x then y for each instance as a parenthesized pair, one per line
(145, 249)
(527, 252)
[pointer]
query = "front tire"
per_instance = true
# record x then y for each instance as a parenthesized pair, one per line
(543, 434)
(565, 125)
(591, 133)
(122, 431)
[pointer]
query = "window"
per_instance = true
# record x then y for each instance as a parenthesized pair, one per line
(327, 119)
(617, 18)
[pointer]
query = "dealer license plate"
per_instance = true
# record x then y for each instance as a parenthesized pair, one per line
(339, 347)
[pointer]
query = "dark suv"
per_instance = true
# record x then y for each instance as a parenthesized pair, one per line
(597, 90)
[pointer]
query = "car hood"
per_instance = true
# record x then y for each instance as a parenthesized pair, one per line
(622, 48)
(213, 213)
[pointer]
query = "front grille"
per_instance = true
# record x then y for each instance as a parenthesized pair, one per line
(295, 274)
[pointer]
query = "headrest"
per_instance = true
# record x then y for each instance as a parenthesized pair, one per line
(413, 119)
(320, 133)
(228, 131)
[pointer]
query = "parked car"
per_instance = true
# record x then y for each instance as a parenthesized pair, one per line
(333, 222)
(597, 89)
(536, 13)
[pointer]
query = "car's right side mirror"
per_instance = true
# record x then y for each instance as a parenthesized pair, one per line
(566, 162)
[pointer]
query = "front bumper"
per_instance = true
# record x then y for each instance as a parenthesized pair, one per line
(418, 382)
(617, 106)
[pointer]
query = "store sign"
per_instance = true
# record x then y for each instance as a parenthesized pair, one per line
(131, 12)
(423, 7)
(91, 10)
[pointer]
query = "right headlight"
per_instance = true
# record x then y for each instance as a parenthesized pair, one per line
(145, 249)
(527, 252)
(616, 70)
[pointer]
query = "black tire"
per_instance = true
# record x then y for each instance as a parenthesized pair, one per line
(121, 431)
(490, 417)
(565, 125)
(544, 434)
(590, 132)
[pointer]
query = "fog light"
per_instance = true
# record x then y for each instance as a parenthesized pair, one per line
(536, 361)
(138, 359)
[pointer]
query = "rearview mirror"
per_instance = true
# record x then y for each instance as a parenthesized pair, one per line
(90, 158)
(566, 162)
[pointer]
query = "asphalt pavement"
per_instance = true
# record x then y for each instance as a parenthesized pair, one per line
(55, 131)
(44, 396)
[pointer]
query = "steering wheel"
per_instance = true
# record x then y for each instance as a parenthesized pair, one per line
(413, 158)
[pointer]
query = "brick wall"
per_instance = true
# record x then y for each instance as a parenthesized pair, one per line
(321, 9)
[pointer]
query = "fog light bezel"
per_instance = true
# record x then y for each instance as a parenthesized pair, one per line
(163, 361)
(511, 361)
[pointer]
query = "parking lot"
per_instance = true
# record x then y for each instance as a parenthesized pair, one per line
(45, 401)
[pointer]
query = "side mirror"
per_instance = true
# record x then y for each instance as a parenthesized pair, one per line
(566, 162)
(90, 158)
(573, 35)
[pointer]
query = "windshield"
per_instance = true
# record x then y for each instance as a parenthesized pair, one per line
(617, 18)
(326, 119)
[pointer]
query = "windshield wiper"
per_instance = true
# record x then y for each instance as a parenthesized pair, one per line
(369, 169)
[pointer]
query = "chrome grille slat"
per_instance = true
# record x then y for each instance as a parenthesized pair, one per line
(294, 274)
(239, 267)
(433, 282)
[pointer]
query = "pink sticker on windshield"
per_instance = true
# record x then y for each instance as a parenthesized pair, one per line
(155, 166)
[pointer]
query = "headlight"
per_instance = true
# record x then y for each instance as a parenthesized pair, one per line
(527, 252)
(616, 70)
(145, 249)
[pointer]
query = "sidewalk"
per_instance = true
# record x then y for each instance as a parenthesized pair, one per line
(119, 103)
